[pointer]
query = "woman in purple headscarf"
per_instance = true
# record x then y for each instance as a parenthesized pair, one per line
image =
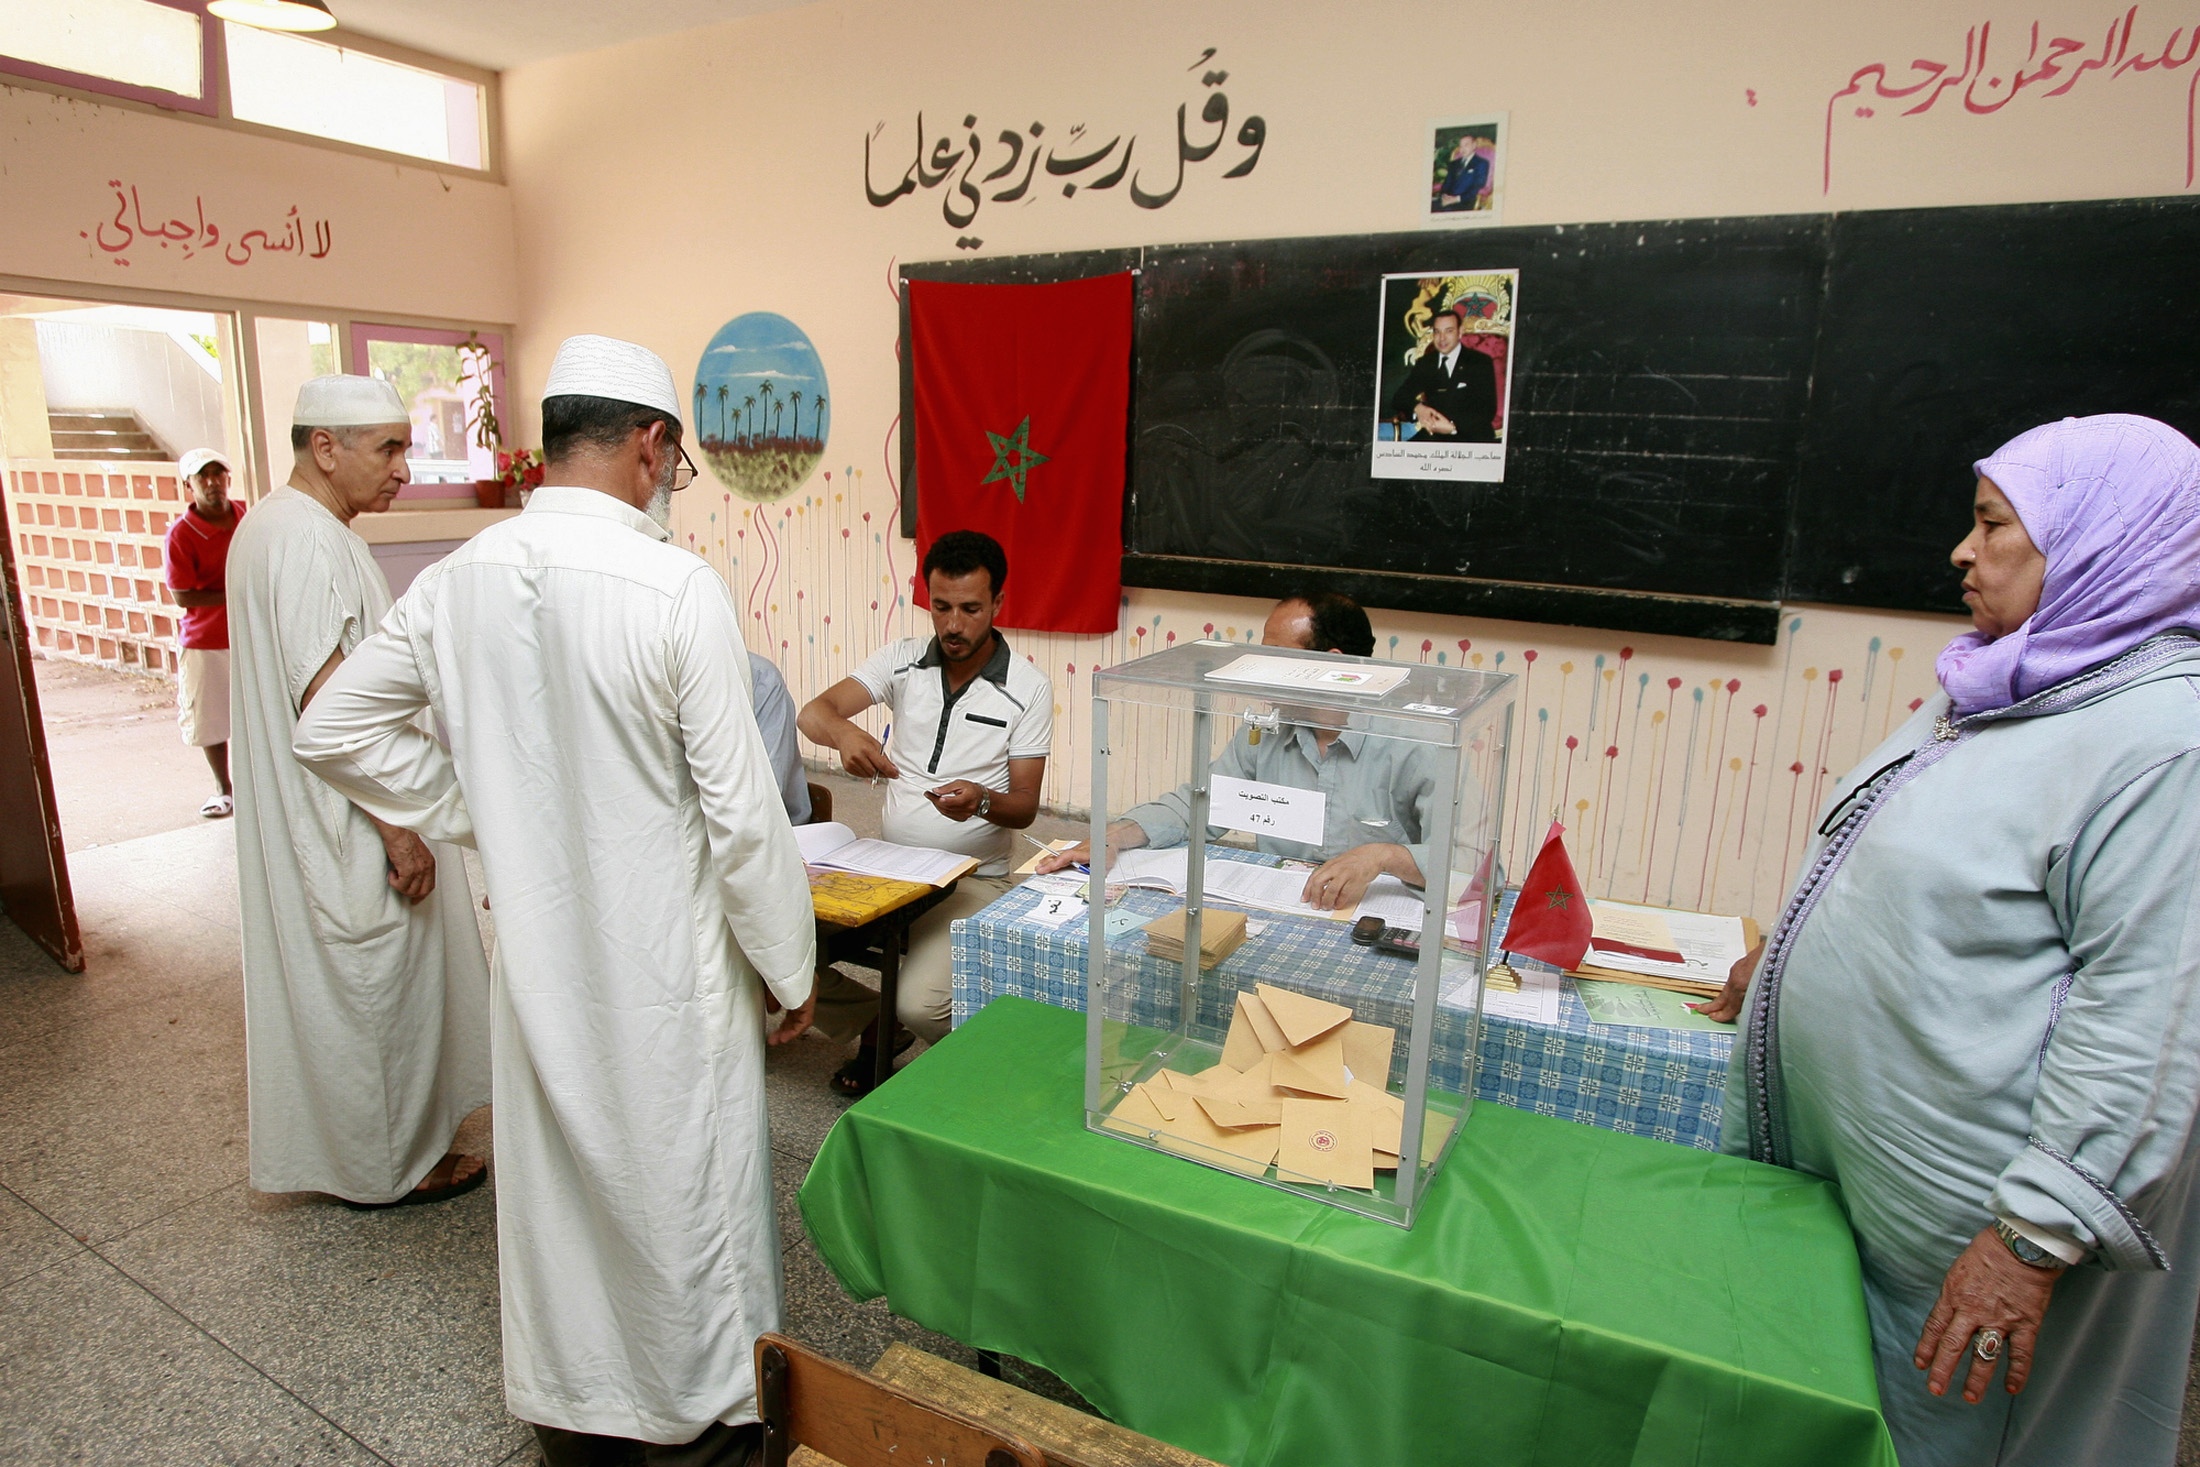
(1980, 1013)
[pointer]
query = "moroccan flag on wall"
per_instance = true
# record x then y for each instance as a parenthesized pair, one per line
(1022, 410)
(1551, 920)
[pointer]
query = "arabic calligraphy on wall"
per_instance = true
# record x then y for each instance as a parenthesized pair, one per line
(1990, 77)
(195, 234)
(1074, 159)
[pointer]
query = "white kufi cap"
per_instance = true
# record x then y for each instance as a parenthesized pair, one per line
(196, 459)
(603, 366)
(344, 401)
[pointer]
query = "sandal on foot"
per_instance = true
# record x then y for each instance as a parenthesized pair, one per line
(440, 1185)
(856, 1076)
(220, 807)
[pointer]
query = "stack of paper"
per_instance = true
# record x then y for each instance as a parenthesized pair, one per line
(832, 846)
(1220, 934)
(1239, 883)
(1302, 1087)
(1688, 952)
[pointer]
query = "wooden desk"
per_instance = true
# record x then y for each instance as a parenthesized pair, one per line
(866, 919)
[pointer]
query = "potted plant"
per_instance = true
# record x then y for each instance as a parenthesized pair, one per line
(481, 421)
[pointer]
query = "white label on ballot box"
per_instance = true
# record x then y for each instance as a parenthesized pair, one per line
(1267, 809)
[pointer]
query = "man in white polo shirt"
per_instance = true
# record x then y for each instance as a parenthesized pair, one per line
(969, 726)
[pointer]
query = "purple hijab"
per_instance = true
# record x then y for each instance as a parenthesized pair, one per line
(2113, 502)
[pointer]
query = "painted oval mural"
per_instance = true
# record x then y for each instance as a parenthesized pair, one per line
(762, 412)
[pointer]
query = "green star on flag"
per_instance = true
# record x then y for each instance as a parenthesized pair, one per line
(1561, 898)
(1013, 458)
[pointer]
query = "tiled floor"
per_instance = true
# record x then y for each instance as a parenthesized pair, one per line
(155, 1309)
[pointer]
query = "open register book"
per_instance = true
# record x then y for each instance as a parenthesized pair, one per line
(834, 847)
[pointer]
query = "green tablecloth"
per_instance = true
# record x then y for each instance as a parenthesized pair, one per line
(1569, 1296)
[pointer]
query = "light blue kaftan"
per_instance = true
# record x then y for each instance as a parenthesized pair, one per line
(1994, 1008)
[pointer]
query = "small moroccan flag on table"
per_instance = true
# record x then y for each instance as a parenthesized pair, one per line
(1551, 920)
(1022, 404)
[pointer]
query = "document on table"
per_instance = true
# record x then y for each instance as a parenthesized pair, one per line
(1398, 904)
(835, 847)
(1162, 870)
(1709, 945)
(1634, 1006)
(1055, 910)
(1272, 888)
(1299, 672)
(1537, 1002)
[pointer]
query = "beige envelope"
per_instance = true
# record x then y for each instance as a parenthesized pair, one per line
(1255, 1085)
(1316, 1068)
(1248, 1150)
(1135, 1114)
(1231, 1114)
(1384, 1114)
(1172, 1103)
(1264, 1023)
(1325, 1141)
(1367, 1049)
(1242, 1049)
(1386, 1161)
(1302, 1019)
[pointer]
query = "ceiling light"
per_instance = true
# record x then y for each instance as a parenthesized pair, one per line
(276, 15)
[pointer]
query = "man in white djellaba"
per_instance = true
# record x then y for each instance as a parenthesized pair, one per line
(366, 993)
(604, 757)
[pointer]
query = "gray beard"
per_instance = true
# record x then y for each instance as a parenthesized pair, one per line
(659, 507)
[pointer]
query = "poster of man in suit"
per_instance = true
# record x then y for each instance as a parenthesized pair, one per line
(1444, 348)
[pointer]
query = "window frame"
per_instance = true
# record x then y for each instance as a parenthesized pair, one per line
(213, 110)
(211, 101)
(359, 333)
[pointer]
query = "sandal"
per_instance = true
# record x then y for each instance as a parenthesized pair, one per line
(440, 1185)
(220, 807)
(855, 1077)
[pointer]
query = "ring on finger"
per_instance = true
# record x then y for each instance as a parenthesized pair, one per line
(1987, 1345)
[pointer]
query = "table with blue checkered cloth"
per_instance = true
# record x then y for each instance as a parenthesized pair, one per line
(1666, 1084)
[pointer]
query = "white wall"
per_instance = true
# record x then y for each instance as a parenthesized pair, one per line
(92, 368)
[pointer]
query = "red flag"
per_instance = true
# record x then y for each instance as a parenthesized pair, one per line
(1022, 409)
(1551, 919)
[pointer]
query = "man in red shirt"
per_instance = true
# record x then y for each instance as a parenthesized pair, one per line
(198, 546)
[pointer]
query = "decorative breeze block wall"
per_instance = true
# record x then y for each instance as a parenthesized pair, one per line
(88, 543)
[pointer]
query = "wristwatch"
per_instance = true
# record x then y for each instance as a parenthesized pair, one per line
(985, 805)
(2028, 1253)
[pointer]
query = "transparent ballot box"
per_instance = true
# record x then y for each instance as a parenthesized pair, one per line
(1238, 1013)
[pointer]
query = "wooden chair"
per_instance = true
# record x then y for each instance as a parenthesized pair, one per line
(856, 1420)
(821, 803)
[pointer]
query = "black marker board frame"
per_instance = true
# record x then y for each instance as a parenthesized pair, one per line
(1707, 417)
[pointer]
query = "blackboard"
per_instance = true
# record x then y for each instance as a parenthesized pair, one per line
(1707, 417)
(1947, 332)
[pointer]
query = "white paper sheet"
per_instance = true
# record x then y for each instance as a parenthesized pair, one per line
(1709, 945)
(1054, 910)
(1267, 809)
(1398, 904)
(1161, 869)
(1537, 1001)
(1296, 672)
(1270, 888)
(837, 848)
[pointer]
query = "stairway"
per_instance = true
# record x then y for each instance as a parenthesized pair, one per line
(113, 437)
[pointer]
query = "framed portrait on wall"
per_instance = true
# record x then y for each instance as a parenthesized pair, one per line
(1463, 171)
(1443, 375)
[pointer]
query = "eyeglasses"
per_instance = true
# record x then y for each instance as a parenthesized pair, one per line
(684, 474)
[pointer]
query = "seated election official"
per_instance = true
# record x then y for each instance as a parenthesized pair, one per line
(1379, 790)
(968, 731)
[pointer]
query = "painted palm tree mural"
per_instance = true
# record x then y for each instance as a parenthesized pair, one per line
(762, 364)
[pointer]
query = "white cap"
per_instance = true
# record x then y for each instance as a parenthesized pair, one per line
(603, 366)
(196, 459)
(344, 401)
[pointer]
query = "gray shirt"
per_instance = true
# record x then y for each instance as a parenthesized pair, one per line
(775, 721)
(1379, 790)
